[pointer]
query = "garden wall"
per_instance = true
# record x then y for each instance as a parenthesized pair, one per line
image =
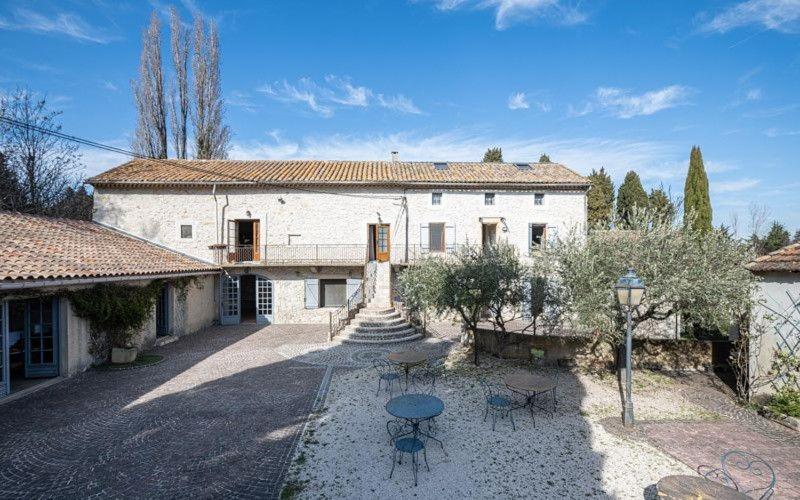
(660, 354)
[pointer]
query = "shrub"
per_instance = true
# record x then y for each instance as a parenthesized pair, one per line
(786, 402)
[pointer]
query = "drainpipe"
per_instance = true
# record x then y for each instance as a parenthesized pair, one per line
(216, 211)
(405, 208)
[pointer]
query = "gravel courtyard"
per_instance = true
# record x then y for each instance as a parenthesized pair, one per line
(345, 451)
(219, 417)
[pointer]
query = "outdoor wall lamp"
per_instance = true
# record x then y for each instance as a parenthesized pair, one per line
(630, 290)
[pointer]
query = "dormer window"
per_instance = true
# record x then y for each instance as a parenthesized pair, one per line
(440, 166)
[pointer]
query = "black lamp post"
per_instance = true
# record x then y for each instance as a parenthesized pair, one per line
(630, 290)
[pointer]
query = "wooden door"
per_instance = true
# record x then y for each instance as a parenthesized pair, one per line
(256, 240)
(382, 243)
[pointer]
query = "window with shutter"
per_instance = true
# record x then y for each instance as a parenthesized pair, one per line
(312, 293)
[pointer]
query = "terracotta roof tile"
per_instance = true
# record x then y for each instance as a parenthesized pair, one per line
(35, 247)
(321, 172)
(786, 259)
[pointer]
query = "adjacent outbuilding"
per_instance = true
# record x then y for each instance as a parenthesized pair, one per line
(43, 259)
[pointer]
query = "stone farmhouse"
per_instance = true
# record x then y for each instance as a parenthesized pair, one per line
(294, 237)
(268, 242)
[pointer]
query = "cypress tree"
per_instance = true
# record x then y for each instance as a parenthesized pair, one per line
(696, 200)
(631, 195)
(777, 238)
(796, 237)
(600, 199)
(544, 158)
(493, 155)
(661, 205)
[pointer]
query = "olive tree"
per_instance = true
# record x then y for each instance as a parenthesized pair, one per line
(694, 273)
(477, 284)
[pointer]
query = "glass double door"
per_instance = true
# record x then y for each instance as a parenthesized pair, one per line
(30, 339)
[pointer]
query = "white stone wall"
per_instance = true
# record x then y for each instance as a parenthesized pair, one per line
(329, 217)
(771, 295)
(289, 292)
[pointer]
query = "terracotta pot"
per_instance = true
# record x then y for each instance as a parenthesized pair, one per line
(122, 355)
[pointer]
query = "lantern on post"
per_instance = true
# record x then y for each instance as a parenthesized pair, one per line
(630, 290)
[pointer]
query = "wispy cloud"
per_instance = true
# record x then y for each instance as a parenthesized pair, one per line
(777, 15)
(334, 93)
(399, 103)
(773, 111)
(734, 186)
(518, 100)
(510, 12)
(107, 85)
(64, 23)
(623, 104)
(243, 100)
(753, 95)
(776, 132)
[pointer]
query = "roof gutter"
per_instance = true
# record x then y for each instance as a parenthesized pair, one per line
(46, 283)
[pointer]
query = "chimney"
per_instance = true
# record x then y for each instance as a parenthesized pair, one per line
(395, 156)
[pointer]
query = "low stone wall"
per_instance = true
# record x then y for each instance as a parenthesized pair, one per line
(658, 354)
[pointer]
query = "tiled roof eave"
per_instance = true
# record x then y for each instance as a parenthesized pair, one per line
(32, 281)
(576, 186)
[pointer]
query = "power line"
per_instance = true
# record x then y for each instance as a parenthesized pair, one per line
(87, 142)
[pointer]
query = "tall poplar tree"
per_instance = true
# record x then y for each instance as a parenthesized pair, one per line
(696, 200)
(631, 196)
(600, 199)
(150, 137)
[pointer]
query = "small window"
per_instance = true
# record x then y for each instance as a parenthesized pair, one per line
(186, 231)
(440, 166)
(488, 199)
(538, 199)
(436, 198)
(537, 236)
(436, 237)
(523, 166)
(332, 292)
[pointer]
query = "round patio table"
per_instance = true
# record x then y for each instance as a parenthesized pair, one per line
(532, 385)
(683, 487)
(414, 409)
(407, 359)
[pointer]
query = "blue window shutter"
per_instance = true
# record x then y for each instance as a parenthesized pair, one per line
(530, 237)
(312, 293)
(450, 237)
(353, 285)
(424, 238)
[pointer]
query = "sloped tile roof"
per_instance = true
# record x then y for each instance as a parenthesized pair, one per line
(35, 247)
(787, 259)
(324, 172)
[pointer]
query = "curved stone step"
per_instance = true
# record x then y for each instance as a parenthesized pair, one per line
(361, 316)
(373, 323)
(394, 340)
(377, 310)
(377, 330)
(403, 332)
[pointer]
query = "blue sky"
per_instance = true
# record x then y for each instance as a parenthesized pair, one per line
(625, 85)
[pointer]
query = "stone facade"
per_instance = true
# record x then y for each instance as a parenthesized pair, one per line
(328, 217)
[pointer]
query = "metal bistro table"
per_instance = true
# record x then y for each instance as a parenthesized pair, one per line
(694, 488)
(414, 409)
(407, 359)
(532, 385)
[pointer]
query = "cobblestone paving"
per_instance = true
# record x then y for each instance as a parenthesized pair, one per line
(219, 417)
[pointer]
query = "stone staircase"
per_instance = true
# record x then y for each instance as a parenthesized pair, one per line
(379, 322)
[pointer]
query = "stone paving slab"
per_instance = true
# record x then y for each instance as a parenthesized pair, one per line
(703, 443)
(219, 417)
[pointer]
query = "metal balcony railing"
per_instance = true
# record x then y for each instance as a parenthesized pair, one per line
(282, 255)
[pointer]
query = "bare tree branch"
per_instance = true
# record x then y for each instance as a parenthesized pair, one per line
(179, 98)
(150, 138)
(210, 134)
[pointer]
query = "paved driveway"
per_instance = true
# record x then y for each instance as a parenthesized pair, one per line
(218, 417)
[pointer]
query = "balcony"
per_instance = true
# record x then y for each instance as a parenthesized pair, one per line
(332, 254)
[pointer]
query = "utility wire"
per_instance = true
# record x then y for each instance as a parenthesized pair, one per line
(86, 142)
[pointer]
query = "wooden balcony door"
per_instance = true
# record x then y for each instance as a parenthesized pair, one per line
(244, 240)
(379, 242)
